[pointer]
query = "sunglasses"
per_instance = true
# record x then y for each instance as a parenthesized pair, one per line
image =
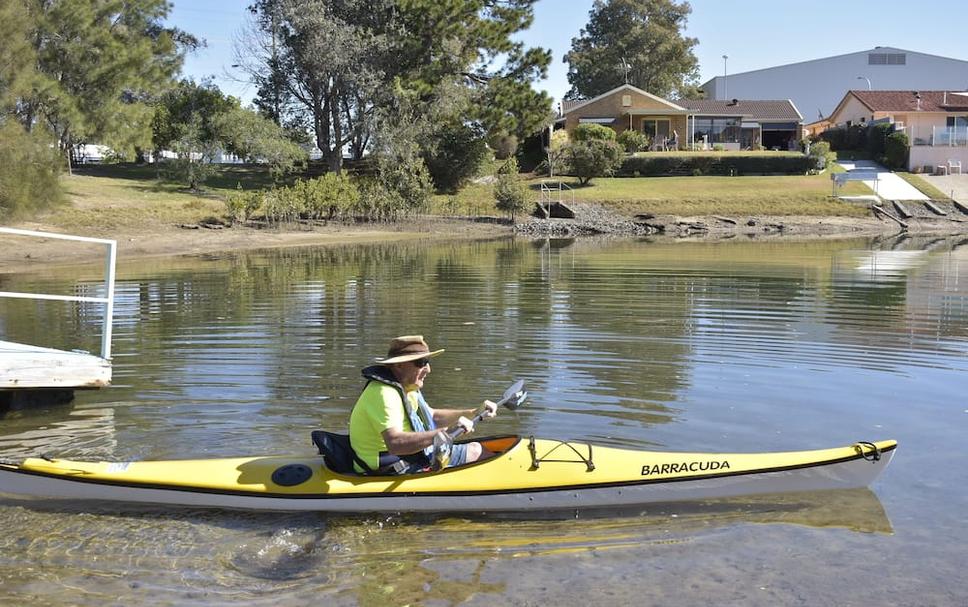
(421, 363)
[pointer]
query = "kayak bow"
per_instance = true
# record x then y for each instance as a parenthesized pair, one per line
(529, 474)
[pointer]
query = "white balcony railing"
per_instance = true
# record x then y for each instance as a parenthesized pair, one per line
(938, 136)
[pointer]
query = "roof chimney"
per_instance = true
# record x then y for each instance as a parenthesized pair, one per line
(917, 96)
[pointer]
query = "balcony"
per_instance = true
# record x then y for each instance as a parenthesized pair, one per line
(938, 136)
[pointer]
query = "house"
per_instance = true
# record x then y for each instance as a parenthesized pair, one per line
(627, 107)
(815, 86)
(735, 124)
(772, 124)
(936, 122)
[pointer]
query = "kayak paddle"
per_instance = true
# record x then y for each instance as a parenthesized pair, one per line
(513, 398)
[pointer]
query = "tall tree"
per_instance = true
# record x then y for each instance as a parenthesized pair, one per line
(28, 162)
(470, 43)
(195, 121)
(351, 63)
(17, 56)
(641, 38)
(317, 64)
(99, 62)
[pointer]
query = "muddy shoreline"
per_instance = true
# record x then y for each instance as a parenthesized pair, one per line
(18, 254)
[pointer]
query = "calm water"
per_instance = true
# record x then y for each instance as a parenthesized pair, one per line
(733, 346)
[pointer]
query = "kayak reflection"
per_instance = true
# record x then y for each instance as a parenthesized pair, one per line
(856, 510)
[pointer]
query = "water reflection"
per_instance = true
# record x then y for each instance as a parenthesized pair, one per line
(398, 559)
(682, 346)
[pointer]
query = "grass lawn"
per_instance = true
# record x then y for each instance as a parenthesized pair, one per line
(117, 196)
(923, 186)
(712, 195)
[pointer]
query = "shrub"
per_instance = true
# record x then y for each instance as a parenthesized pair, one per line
(594, 158)
(29, 169)
(455, 155)
(400, 185)
(331, 196)
(504, 145)
(557, 152)
(633, 141)
(896, 150)
(240, 205)
(592, 132)
(407, 182)
(711, 164)
(877, 140)
(282, 205)
(820, 156)
(511, 194)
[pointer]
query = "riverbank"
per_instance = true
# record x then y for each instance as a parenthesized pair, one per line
(19, 253)
(152, 218)
(152, 240)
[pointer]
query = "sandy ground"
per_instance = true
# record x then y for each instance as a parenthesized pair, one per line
(18, 253)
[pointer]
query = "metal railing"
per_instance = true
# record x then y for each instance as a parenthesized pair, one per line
(109, 273)
(939, 136)
(547, 187)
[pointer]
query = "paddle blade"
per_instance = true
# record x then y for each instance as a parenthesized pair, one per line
(514, 396)
(442, 446)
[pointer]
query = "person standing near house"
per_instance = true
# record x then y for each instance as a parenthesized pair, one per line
(392, 428)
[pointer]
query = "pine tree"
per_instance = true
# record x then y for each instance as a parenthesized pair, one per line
(641, 38)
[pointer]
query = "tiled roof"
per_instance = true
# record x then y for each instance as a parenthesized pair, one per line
(780, 110)
(907, 101)
(567, 104)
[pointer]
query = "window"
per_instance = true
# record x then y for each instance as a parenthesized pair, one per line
(957, 121)
(626, 100)
(886, 59)
(718, 130)
(653, 127)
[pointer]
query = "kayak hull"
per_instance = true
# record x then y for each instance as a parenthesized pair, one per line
(518, 479)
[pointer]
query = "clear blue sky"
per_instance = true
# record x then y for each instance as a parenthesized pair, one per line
(753, 33)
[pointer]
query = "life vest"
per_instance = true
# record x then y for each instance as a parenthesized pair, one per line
(421, 418)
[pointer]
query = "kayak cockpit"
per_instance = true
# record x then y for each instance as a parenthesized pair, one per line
(338, 455)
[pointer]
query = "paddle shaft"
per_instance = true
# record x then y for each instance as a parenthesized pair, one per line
(519, 394)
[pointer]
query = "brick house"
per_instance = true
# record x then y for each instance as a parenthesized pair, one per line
(735, 124)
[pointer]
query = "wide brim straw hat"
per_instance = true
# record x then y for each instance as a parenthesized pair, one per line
(407, 348)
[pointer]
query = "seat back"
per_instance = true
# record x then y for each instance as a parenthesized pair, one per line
(337, 452)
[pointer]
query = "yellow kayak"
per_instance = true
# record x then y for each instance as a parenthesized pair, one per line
(526, 474)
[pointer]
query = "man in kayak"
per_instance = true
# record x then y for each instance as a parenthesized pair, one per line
(392, 427)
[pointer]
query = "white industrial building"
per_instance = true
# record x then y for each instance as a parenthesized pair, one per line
(817, 86)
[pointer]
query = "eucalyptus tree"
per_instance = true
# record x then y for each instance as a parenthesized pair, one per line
(195, 121)
(355, 70)
(640, 42)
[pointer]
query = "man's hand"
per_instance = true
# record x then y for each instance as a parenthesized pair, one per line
(490, 409)
(466, 424)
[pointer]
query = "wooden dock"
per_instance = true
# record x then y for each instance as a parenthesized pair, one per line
(26, 367)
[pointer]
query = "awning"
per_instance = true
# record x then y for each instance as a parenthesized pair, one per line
(596, 120)
(750, 125)
(780, 126)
